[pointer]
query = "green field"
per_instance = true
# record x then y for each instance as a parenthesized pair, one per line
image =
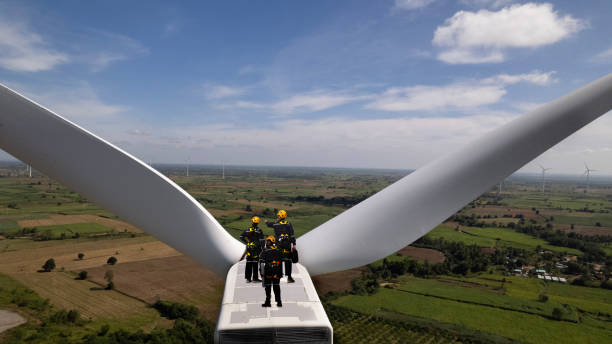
(605, 220)
(451, 234)
(487, 294)
(510, 324)
(508, 237)
(70, 229)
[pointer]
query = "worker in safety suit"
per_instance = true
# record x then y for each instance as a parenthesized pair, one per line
(253, 238)
(285, 240)
(272, 271)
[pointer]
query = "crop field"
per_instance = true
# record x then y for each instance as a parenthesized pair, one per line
(451, 234)
(510, 324)
(508, 237)
(92, 301)
(494, 296)
(177, 279)
(39, 219)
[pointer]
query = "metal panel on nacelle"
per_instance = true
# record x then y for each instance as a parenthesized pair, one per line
(242, 319)
(113, 179)
(411, 207)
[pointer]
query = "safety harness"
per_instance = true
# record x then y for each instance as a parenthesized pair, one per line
(273, 268)
(284, 243)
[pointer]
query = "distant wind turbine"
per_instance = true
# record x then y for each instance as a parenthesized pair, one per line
(544, 175)
(587, 172)
(501, 183)
(188, 161)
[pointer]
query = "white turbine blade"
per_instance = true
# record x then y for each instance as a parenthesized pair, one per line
(411, 207)
(113, 179)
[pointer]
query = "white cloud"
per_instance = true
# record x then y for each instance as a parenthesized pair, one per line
(77, 102)
(23, 50)
(221, 91)
(412, 4)
(138, 132)
(315, 101)
(484, 36)
(437, 97)
(170, 29)
(603, 57)
(525, 107)
(535, 77)
(303, 102)
(359, 143)
(486, 3)
(465, 95)
(105, 48)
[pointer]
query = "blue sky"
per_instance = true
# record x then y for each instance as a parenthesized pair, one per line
(388, 84)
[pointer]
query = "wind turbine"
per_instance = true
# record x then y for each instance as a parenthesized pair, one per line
(188, 161)
(544, 175)
(410, 207)
(587, 172)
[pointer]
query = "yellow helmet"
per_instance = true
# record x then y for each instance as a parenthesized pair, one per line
(282, 214)
(255, 219)
(271, 238)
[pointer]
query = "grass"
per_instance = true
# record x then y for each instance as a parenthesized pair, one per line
(353, 327)
(8, 226)
(67, 293)
(492, 237)
(605, 220)
(450, 234)
(573, 201)
(493, 296)
(508, 237)
(593, 300)
(515, 325)
(71, 229)
(16, 297)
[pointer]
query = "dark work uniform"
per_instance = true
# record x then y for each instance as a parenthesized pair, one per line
(272, 272)
(252, 237)
(283, 231)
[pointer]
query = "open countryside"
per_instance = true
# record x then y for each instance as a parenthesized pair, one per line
(520, 265)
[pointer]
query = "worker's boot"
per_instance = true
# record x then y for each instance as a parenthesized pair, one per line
(266, 304)
(290, 280)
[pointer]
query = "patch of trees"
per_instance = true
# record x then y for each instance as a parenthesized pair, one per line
(588, 244)
(175, 310)
(188, 328)
(65, 317)
(23, 297)
(367, 284)
(462, 258)
(109, 275)
(111, 261)
(49, 265)
(345, 201)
